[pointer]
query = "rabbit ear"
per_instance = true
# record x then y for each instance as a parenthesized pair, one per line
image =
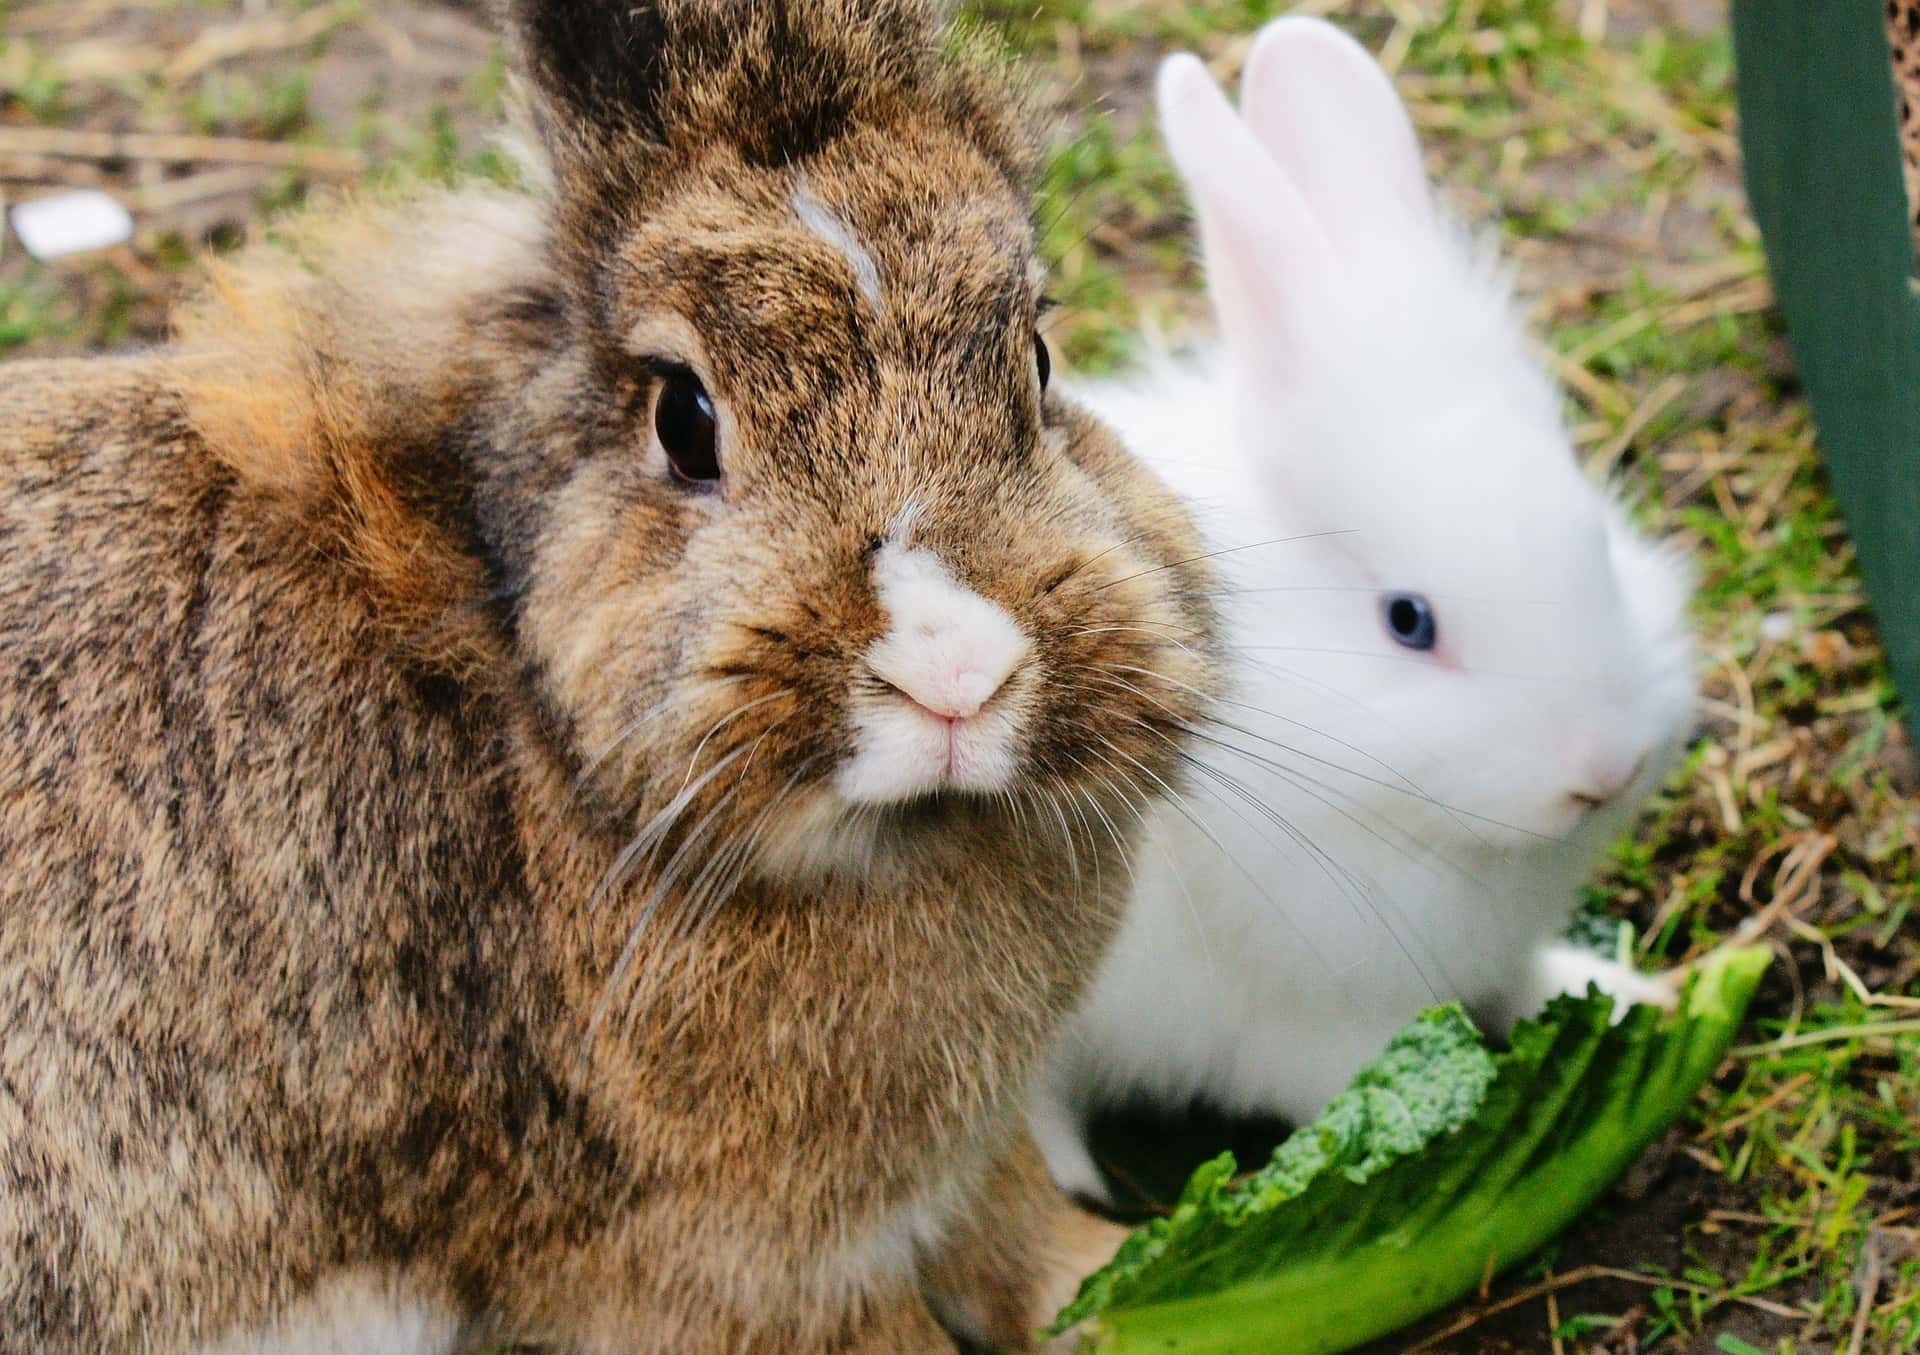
(1328, 115)
(595, 66)
(1263, 249)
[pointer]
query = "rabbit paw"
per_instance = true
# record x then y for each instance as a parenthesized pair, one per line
(1570, 969)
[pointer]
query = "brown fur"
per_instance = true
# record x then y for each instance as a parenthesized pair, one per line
(353, 639)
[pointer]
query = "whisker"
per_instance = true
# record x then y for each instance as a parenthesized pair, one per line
(1180, 806)
(1406, 846)
(1475, 599)
(671, 701)
(655, 829)
(1114, 836)
(1408, 790)
(1098, 556)
(723, 722)
(1334, 693)
(1551, 679)
(1159, 640)
(676, 865)
(1121, 684)
(1349, 884)
(1354, 889)
(1139, 811)
(709, 891)
(1229, 550)
(1073, 856)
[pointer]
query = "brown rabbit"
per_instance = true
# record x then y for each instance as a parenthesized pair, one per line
(565, 752)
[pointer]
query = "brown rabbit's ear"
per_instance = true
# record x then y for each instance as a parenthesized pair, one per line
(776, 79)
(598, 64)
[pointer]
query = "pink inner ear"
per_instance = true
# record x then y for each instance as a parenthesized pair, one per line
(1328, 114)
(1264, 250)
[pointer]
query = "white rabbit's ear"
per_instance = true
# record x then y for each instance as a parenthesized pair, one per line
(1328, 115)
(1263, 248)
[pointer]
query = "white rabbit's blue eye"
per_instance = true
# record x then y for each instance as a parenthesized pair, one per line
(1409, 619)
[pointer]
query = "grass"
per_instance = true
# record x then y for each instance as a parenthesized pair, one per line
(1784, 1215)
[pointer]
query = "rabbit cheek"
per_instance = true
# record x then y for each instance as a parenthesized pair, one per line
(607, 601)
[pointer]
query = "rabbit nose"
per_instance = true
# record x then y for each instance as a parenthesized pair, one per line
(1590, 800)
(948, 649)
(1605, 782)
(952, 693)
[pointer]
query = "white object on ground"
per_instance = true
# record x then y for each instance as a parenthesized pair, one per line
(71, 223)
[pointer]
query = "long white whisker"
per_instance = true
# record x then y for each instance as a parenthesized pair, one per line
(725, 720)
(1132, 690)
(710, 889)
(1389, 656)
(1377, 903)
(1351, 886)
(1228, 550)
(672, 701)
(1323, 793)
(655, 829)
(1409, 790)
(676, 864)
(1073, 855)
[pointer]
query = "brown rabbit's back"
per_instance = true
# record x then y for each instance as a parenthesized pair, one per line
(198, 720)
(91, 618)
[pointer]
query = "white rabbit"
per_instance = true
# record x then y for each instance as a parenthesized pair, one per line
(1459, 670)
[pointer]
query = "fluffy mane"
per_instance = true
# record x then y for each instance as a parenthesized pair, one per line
(324, 367)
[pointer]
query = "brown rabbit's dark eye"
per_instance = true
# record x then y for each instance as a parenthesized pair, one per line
(683, 421)
(1045, 360)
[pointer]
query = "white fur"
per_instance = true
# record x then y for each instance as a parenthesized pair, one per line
(354, 1313)
(1378, 830)
(830, 228)
(948, 653)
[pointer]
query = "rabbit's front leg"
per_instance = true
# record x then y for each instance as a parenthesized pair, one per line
(1020, 1255)
(898, 1324)
(905, 1327)
(646, 1294)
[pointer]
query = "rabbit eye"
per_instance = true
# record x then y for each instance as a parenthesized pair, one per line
(683, 421)
(1410, 621)
(1044, 359)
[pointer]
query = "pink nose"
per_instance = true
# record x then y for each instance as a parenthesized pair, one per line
(955, 694)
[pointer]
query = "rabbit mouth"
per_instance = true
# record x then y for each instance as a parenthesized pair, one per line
(907, 751)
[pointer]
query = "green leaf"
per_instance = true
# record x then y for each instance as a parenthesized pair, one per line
(1443, 1161)
(1821, 139)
